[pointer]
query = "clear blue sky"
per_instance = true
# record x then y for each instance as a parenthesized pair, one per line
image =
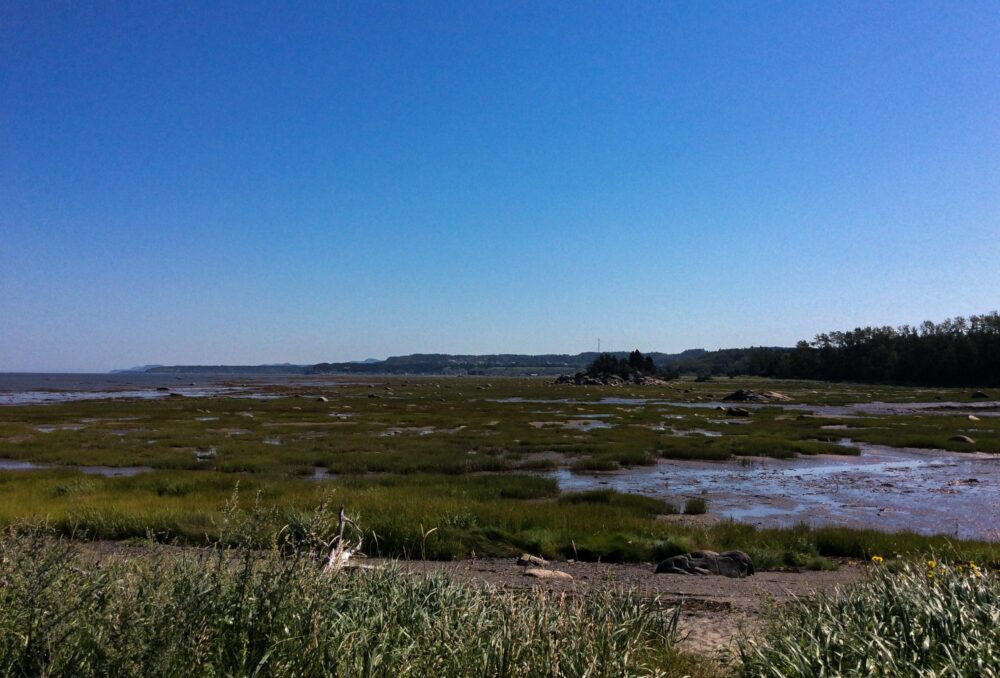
(247, 183)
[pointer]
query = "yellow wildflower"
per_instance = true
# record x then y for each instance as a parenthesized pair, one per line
(931, 564)
(878, 560)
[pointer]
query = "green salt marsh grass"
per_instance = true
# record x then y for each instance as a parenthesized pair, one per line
(447, 453)
(490, 515)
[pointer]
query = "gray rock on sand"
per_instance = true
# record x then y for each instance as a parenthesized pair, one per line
(727, 564)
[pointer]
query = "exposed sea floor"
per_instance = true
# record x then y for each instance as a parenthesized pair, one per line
(887, 488)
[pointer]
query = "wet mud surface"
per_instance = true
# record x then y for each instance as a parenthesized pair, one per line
(926, 491)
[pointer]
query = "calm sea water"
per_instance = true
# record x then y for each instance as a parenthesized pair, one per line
(50, 381)
(23, 388)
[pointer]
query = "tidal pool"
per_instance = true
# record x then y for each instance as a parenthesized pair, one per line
(887, 488)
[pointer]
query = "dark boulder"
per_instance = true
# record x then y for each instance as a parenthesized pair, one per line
(727, 564)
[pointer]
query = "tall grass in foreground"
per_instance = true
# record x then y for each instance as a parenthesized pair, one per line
(252, 613)
(909, 620)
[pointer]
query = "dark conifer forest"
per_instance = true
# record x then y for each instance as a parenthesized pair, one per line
(955, 352)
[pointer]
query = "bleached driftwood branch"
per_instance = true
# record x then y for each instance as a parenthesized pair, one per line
(341, 550)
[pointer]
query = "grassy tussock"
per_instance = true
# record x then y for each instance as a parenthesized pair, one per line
(910, 620)
(249, 613)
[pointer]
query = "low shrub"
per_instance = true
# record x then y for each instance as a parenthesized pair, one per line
(695, 506)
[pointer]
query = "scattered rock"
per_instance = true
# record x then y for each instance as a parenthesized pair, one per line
(528, 559)
(727, 564)
(744, 396)
(962, 439)
(973, 417)
(979, 395)
(737, 412)
(748, 396)
(540, 573)
(322, 399)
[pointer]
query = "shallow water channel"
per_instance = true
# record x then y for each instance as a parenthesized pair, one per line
(106, 471)
(885, 488)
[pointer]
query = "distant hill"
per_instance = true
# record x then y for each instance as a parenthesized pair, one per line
(495, 364)
(229, 369)
(141, 368)
(430, 363)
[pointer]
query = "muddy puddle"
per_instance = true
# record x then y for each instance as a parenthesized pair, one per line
(886, 488)
(106, 471)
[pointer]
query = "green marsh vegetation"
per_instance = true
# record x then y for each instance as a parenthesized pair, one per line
(490, 515)
(461, 455)
(460, 426)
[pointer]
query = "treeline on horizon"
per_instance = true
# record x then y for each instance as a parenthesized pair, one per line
(955, 352)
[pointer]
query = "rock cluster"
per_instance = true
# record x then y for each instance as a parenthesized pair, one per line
(584, 379)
